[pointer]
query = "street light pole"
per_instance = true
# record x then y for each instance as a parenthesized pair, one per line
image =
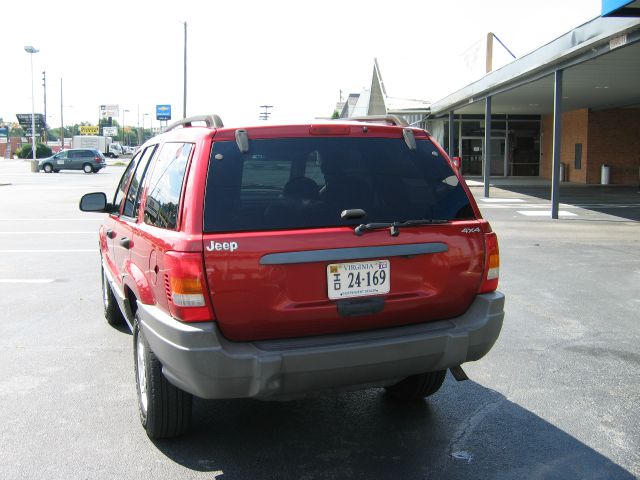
(44, 85)
(31, 50)
(143, 136)
(124, 139)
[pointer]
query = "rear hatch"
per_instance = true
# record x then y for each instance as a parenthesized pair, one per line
(323, 234)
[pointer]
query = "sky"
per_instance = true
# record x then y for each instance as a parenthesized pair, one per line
(294, 55)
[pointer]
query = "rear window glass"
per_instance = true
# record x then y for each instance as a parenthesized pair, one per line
(308, 182)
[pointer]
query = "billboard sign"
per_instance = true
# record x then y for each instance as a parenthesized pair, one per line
(89, 130)
(618, 8)
(163, 112)
(110, 131)
(107, 111)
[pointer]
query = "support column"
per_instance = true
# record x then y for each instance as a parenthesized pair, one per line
(451, 133)
(557, 144)
(487, 146)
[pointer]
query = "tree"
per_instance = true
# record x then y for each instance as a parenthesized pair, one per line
(335, 115)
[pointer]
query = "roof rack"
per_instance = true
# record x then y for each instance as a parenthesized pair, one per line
(387, 119)
(211, 121)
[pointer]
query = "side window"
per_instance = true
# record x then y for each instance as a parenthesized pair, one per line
(131, 204)
(165, 185)
(62, 156)
(124, 181)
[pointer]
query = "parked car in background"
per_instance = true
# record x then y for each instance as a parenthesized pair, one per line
(88, 160)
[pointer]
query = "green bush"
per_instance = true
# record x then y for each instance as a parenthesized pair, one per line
(42, 151)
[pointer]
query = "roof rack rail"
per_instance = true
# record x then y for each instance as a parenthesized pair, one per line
(211, 121)
(387, 119)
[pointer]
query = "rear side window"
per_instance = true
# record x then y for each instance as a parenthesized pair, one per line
(132, 202)
(308, 182)
(165, 185)
(124, 182)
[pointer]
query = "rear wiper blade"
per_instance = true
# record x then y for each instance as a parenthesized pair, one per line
(394, 227)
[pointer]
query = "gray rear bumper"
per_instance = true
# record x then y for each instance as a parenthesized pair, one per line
(198, 359)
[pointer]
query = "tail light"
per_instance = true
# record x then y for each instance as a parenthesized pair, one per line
(491, 262)
(185, 286)
(99, 159)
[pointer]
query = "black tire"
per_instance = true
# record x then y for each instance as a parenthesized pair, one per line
(165, 410)
(111, 309)
(417, 387)
(87, 168)
(47, 167)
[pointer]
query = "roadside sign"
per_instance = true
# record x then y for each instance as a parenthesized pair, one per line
(89, 130)
(107, 111)
(4, 132)
(110, 131)
(24, 119)
(163, 112)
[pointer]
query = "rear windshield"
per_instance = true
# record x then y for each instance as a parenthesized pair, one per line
(307, 182)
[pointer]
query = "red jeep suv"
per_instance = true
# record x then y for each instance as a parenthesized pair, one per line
(275, 261)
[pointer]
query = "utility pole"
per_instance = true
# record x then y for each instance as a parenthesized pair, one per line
(44, 85)
(184, 96)
(61, 120)
(265, 115)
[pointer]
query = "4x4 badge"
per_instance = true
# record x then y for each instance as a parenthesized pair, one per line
(222, 246)
(471, 230)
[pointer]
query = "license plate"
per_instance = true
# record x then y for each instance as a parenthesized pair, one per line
(346, 280)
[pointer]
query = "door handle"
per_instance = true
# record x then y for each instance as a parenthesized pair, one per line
(110, 233)
(126, 242)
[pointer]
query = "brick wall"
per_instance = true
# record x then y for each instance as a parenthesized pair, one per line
(614, 140)
(575, 129)
(610, 137)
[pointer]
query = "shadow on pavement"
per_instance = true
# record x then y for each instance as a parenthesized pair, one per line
(623, 202)
(464, 431)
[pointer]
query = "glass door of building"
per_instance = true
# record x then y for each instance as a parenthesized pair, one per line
(472, 154)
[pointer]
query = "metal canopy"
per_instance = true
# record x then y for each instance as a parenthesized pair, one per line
(598, 74)
(608, 81)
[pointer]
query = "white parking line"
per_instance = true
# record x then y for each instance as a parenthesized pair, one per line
(92, 250)
(35, 280)
(545, 213)
(502, 200)
(48, 219)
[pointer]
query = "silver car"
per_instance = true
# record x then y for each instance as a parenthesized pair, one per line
(88, 160)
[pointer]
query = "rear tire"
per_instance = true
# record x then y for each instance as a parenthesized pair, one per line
(165, 410)
(87, 168)
(111, 309)
(417, 387)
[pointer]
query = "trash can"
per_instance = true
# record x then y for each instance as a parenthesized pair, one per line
(563, 172)
(605, 175)
(34, 166)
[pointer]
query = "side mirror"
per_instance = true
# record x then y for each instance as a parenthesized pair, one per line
(457, 162)
(95, 202)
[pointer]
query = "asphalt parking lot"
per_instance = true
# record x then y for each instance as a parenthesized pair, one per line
(557, 397)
